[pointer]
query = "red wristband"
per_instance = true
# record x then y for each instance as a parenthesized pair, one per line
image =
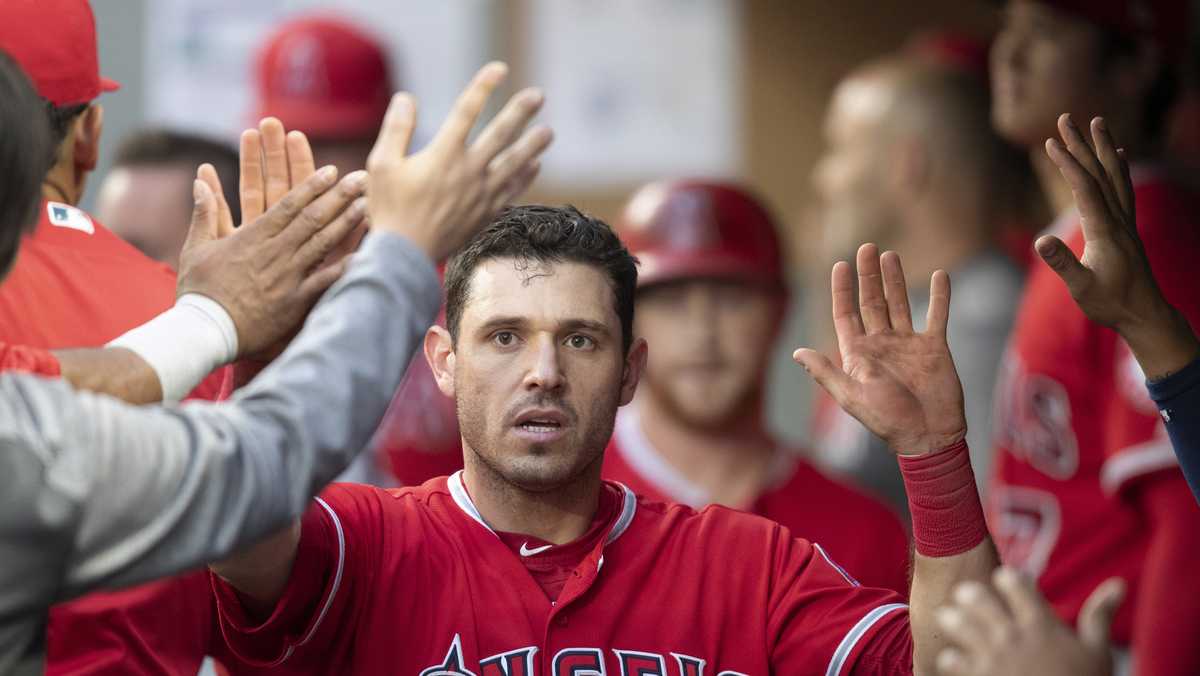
(947, 517)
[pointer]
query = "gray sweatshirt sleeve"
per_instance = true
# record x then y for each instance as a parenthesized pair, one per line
(94, 492)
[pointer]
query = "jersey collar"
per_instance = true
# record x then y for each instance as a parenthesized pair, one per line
(458, 492)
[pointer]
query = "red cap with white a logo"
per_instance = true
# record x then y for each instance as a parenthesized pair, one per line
(324, 77)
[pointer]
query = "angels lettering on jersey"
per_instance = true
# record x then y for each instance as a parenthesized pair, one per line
(1033, 419)
(573, 662)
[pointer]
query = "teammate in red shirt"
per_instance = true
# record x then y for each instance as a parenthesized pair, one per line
(1086, 486)
(710, 305)
(527, 562)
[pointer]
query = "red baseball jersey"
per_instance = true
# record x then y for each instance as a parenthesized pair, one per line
(860, 532)
(1075, 428)
(28, 360)
(413, 581)
(76, 284)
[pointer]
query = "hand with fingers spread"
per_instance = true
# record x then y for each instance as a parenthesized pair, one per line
(900, 383)
(1013, 631)
(1112, 282)
(444, 194)
(268, 273)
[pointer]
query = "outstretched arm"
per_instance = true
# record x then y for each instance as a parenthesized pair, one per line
(902, 385)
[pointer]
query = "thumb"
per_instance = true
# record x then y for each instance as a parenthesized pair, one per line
(823, 371)
(204, 214)
(1063, 262)
(1096, 616)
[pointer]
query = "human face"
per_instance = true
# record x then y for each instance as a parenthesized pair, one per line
(538, 370)
(849, 177)
(1044, 63)
(709, 342)
(150, 207)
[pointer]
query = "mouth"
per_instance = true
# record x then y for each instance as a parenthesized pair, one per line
(541, 425)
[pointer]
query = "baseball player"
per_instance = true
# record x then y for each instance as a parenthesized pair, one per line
(101, 494)
(1086, 484)
(526, 562)
(710, 304)
(1015, 631)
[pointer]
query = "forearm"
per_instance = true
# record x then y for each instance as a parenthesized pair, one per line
(260, 572)
(1178, 400)
(951, 541)
(1162, 342)
(116, 372)
(128, 494)
(933, 580)
(1165, 619)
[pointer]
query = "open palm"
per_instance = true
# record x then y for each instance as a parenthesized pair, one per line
(900, 383)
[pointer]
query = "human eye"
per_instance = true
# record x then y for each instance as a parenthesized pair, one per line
(504, 338)
(579, 341)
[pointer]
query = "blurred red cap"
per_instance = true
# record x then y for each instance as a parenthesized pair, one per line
(1164, 22)
(683, 229)
(54, 41)
(324, 77)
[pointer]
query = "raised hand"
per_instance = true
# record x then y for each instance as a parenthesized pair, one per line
(901, 384)
(443, 195)
(1112, 282)
(1013, 631)
(268, 273)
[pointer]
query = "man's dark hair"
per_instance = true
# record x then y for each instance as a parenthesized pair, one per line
(24, 157)
(161, 147)
(536, 234)
(1163, 91)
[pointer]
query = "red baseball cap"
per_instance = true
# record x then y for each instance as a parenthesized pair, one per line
(1164, 22)
(324, 77)
(55, 43)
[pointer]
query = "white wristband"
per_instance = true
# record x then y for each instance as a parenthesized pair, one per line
(184, 344)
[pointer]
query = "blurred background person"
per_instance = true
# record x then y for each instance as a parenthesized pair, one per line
(911, 163)
(328, 78)
(146, 196)
(711, 301)
(1087, 486)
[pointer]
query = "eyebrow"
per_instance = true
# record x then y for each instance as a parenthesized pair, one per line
(573, 324)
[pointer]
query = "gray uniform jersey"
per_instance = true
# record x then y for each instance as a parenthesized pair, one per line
(97, 493)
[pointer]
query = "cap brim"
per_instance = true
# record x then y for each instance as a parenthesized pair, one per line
(107, 85)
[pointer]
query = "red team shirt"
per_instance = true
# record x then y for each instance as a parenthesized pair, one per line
(76, 284)
(412, 581)
(1077, 434)
(859, 532)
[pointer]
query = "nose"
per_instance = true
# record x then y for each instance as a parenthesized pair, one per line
(545, 370)
(699, 319)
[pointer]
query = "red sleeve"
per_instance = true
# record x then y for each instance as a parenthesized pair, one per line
(312, 626)
(821, 621)
(216, 387)
(1136, 443)
(28, 360)
(1166, 621)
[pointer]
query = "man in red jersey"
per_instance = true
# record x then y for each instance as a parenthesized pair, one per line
(1086, 486)
(526, 562)
(710, 304)
(76, 284)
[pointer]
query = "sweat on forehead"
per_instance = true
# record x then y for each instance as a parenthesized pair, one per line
(535, 237)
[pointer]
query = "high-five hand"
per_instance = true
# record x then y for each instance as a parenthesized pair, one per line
(1112, 282)
(898, 382)
(440, 197)
(268, 273)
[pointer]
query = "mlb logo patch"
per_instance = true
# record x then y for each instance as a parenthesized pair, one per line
(67, 216)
